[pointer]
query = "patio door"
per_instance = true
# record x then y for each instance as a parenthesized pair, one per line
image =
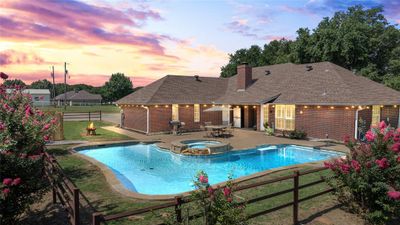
(225, 117)
(237, 120)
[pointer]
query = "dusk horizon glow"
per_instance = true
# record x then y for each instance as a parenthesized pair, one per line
(147, 40)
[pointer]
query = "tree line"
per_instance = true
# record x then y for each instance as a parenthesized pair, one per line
(361, 40)
(115, 88)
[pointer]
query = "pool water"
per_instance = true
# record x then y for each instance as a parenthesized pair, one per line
(146, 169)
(202, 144)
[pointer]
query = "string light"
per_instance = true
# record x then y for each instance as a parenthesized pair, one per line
(166, 106)
(318, 107)
(245, 106)
(305, 107)
(156, 106)
(301, 112)
(395, 106)
(367, 107)
(204, 105)
(254, 106)
(187, 106)
(332, 107)
(381, 106)
(352, 107)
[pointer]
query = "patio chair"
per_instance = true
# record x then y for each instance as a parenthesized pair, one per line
(229, 130)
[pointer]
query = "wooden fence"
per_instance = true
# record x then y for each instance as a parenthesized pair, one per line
(98, 218)
(65, 191)
(82, 116)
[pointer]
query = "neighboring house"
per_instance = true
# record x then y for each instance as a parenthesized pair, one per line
(78, 98)
(323, 99)
(40, 97)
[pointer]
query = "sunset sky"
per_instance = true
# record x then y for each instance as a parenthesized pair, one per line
(147, 39)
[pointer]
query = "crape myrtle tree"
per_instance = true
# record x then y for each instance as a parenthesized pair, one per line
(359, 39)
(24, 131)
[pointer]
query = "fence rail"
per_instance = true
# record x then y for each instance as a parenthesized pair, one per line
(82, 116)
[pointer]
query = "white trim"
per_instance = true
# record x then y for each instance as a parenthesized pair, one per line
(262, 117)
(148, 119)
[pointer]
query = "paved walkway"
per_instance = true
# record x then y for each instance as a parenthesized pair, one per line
(242, 139)
(71, 142)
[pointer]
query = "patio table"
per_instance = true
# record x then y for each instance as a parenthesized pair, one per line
(218, 129)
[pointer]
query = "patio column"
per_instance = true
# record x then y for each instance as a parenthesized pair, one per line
(262, 108)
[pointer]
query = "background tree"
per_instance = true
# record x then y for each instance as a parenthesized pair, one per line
(358, 39)
(9, 83)
(117, 87)
(41, 84)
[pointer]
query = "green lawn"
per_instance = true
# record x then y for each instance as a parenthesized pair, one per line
(76, 130)
(93, 184)
(102, 108)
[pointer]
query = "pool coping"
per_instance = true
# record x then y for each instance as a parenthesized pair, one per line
(117, 185)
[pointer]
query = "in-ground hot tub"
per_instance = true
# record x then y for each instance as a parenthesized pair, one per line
(213, 146)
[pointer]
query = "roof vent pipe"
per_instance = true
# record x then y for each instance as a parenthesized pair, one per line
(197, 77)
(309, 68)
(267, 72)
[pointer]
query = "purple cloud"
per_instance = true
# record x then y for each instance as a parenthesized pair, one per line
(77, 22)
(9, 57)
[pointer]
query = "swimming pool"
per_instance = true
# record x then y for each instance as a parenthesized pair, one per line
(147, 169)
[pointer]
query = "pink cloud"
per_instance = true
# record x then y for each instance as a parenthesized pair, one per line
(78, 22)
(299, 10)
(9, 57)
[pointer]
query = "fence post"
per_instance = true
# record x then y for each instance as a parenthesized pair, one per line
(178, 208)
(100, 115)
(89, 115)
(296, 197)
(96, 218)
(76, 206)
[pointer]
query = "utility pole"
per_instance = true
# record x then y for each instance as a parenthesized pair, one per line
(54, 88)
(65, 85)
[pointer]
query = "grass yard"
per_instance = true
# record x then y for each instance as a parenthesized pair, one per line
(93, 184)
(76, 130)
(102, 108)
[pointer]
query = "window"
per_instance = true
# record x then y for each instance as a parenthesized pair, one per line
(175, 112)
(266, 112)
(376, 114)
(284, 117)
(196, 113)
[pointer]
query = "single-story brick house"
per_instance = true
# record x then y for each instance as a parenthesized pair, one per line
(81, 97)
(323, 99)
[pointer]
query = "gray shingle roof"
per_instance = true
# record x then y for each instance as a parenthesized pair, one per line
(325, 84)
(81, 95)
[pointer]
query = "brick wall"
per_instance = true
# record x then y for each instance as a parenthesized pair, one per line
(135, 118)
(336, 123)
(159, 119)
(390, 115)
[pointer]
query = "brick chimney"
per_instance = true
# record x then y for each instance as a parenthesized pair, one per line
(244, 77)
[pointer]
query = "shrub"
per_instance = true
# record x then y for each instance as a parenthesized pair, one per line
(368, 179)
(23, 133)
(268, 130)
(218, 205)
(297, 134)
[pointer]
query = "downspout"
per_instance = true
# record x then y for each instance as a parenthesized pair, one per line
(148, 119)
(356, 124)
(262, 117)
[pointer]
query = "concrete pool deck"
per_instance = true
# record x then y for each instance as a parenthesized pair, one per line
(241, 139)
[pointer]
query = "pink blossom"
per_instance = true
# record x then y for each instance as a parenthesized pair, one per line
(28, 111)
(210, 190)
(2, 126)
(368, 164)
(395, 147)
(7, 181)
(227, 191)
(16, 181)
(46, 138)
(53, 121)
(356, 165)
(229, 199)
(345, 168)
(382, 163)
(46, 127)
(396, 136)
(388, 135)
(3, 76)
(203, 179)
(382, 125)
(6, 191)
(395, 195)
(346, 139)
(398, 159)
(370, 136)
(328, 165)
